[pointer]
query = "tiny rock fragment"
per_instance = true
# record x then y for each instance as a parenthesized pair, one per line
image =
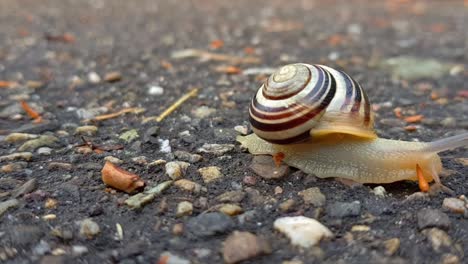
(86, 130)
(433, 218)
(340, 209)
(164, 146)
(59, 166)
(169, 258)
(26, 188)
(438, 238)
(249, 180)
(13, 167)
(178, 229)
(129, 136)
(121, 179)
(302, 231)
(360, 228)
(186, 156)
(188, 185)
(454, 205)
(51, 203)
(313, 196)
(265, 167)
(42, 141)
(210, 174)
(49, 217)
(176, 169)
(4, 206)
(243, 130)
(216, 149)
(230, 209)
(113, 160)
(46, 151)
(19, 137)
(89, 228)
(240, 246)
(203, 112)
(450, 259)
(184, 208)
(379, 191)
(391, 246)
(155, 90)
(287, 205)
(231, 196)
(94, 78)
(140, 199)
(114, 76)
(209, 224)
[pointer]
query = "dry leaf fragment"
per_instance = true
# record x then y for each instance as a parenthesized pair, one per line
(414, 119)
(121, 179)
(31, 112)
(228, 69)
(8, 84)
(216, 44)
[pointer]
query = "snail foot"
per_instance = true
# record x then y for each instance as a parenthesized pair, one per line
(348, 182)
(278, 158)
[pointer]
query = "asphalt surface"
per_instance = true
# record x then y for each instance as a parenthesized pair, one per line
(50, 51)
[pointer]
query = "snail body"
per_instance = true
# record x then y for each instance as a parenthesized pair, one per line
(325, 127)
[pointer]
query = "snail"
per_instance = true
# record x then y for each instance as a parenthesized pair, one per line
(320, 120)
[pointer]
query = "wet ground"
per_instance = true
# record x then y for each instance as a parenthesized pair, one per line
(72, 62)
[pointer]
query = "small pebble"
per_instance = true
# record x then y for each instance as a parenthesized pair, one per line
(391, 246)
(46, 151)
(203, 112)
(313, 196)
(360, 228)
(178, 229)
(184, 208)
(13, 167)
(169, 258)
(113, 160)
(287, 205)
(176, 169)
(78, 250)
(89, 228)
(231, 196)
(454, 205)
(25, 188)
(450, 259)
(302, 231)
(240, 246)
(42, 141)
(27, 156)
(379, 191)
(433, 218)
(188, 185)
(4, 206)
(94, 78)
(59, 166)
(113, 76)
(243, 130)
(230, 209)
(86, 130)
(129, 135)
(249, 180)
(186, 156)
(265, 167)
(216, 149)
(438, 238)
(19, 137)
(210, 174)
(155, 90)
(164, 146)
(209, 224)
(341, 210)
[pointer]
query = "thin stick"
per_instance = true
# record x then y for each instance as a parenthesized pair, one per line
(135, 110)
(173, 107)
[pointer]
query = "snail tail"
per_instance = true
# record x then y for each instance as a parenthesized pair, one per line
(448, 143)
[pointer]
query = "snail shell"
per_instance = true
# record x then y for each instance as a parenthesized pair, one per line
(300, 101)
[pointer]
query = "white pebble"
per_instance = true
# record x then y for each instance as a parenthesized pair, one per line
(302, 231)
(164, 146)
(44, 151)
(94, 78)
(155, 90)
(379, 191)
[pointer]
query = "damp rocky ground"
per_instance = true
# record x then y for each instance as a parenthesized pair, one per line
(83, 85)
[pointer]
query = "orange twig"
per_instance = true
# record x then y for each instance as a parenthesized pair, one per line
(31, 112)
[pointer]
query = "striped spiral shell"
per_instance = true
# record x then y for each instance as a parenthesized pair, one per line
(300, 101)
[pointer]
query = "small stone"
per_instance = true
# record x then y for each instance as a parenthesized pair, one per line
(418, 196)
(184, 208)
(379, 191)
(243, 130)
(86, 130)
(188, 185)
(231, 196)
(210, 224)
(59, 166)
(202, 252)
(13, 167)
(164, 146)
(360, 228)
(141, 160)
(240, 246)
(391, 246)
(302, 231)
(151, 135)
(46, 151)
(27, 156)
(178, 229)
(454, 205)
(176, 169)
(42, 141)
(216, 149)
(210, 174)
(254, 196)
(129, 136)
(265, 167)
(341, 210)
(94, 78)
(4, 206)
(140, 199)
(278, 190)
(65, 234)
(51, 203)
(186, 156)
(230, 209)
(450, 259)
(155, 90)
(287, 205)
(78, 250)
(249, 180)
(169, 258)
(438, 238)
(19, 137)
(449, 122)
(113, 160)
(49, 217)
(433, 218)
(89, 228)
(25, 235)
(114, 76)
(26, 188)
(313, 196)
(84, 150)
(203, 112)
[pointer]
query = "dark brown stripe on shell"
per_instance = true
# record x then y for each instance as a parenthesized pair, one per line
(296, 139)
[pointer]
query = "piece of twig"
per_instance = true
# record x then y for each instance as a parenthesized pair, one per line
(173, 107)
(31, 112)
(205, 55)
(134, 110)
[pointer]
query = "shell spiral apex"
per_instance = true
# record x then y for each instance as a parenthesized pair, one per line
(300, 101)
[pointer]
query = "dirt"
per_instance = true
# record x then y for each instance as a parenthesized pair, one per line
(58, 43)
